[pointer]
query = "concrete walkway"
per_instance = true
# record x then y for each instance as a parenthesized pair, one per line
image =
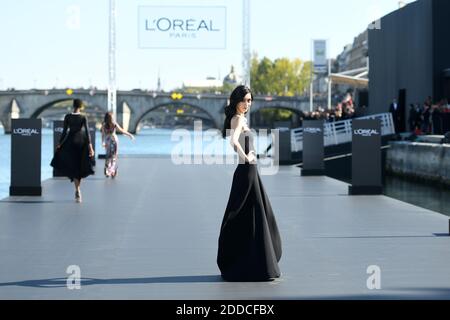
(152, 234)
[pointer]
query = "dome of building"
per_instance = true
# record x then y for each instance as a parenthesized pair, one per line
(232, 77)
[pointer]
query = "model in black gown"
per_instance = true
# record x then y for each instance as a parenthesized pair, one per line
(73, 156)
(249, 241)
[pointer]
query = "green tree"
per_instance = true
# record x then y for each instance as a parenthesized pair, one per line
(283, 77)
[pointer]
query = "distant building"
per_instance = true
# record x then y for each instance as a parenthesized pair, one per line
(342, 60)
(353, 57)
(159, 88)
(359, 52)
(210, 84)
(320, 84)
(410, 56)
(232, 78)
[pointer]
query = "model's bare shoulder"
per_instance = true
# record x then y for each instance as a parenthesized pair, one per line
(237, 121)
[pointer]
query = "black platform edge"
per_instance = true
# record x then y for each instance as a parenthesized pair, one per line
(365, 190)
(25, 191)
(313, 172)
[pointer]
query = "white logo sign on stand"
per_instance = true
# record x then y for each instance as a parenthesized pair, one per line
(320, 56)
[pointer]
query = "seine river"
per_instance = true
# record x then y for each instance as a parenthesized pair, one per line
(160, 142)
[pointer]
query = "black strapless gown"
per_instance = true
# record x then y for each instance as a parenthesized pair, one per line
(249, 241)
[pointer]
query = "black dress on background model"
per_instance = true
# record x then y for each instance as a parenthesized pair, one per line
(72, 159)
(249, 241)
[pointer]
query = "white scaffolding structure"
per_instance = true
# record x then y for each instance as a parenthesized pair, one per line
(246, 54)
(112, 90)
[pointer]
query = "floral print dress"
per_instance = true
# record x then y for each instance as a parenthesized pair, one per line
(111, 147)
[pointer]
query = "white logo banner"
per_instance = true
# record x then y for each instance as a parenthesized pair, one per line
(182, 27)
(320, 55)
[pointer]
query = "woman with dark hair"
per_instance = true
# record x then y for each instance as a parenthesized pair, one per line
(74, 153)
(249, 241)
(111, 143)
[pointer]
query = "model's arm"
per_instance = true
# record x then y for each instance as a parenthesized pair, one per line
(88, 135)
(64, 133)
(103, 134)
(237, 124)
(120, 129)
(86, 128)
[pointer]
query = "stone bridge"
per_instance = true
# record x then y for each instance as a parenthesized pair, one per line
(132, 106)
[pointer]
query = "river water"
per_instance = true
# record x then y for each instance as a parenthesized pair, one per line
(425, 195)
(160, 142)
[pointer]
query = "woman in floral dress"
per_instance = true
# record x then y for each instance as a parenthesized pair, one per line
(110, 142)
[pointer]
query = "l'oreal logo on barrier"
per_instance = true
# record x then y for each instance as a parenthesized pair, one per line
(312, 130)
(59, 130)
(25, 132)
(366, 132)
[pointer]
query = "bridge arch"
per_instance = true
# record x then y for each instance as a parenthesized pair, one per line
(134, 126)
(48, 105)
(94, 111)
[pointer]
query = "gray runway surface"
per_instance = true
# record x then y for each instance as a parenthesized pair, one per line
(152, 234)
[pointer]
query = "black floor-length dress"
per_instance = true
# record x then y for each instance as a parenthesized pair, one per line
(249, 241)
(72, 159)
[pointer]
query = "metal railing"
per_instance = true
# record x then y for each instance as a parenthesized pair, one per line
(341, 131)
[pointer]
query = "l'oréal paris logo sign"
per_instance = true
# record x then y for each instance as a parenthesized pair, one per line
(59, 129)
(366, 132)
(25, 132)
(182, 27)
(312, 130)
(178, 27)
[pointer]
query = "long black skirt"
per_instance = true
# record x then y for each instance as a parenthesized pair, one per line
(249, 241)
(72, 159)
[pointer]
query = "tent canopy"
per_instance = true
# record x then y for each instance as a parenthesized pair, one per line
(349, 80)
(354, 77)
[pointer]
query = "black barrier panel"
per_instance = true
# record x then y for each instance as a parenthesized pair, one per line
(58, 127)
(285, 154)
(366, 158)
(92, 133)
(445, 122)
(313, 148)
(26, 139)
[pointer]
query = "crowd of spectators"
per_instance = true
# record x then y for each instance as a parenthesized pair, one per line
(344, 110)
(429, 118)
(423, 119)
